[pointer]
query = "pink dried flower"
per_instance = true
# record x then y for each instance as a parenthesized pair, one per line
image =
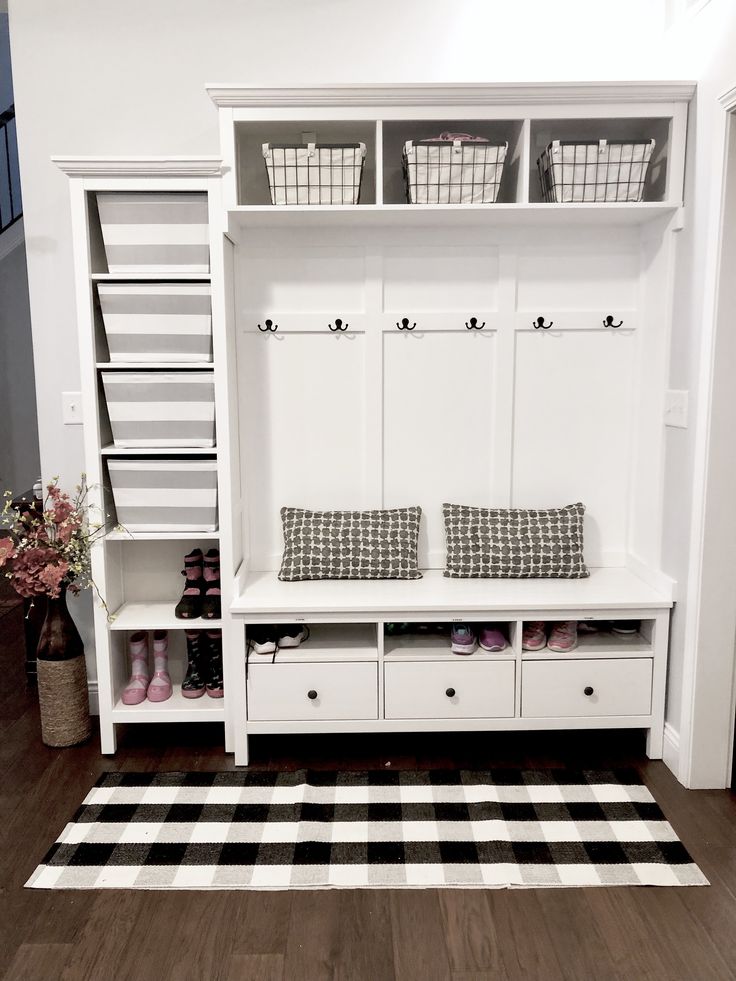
(49, 546)
(61, 510)
(7, 551)
(52, 577)
(65, 532)
(27, 568)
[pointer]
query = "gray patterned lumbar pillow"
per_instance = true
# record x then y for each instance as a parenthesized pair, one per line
(514, 543)
(350, 544)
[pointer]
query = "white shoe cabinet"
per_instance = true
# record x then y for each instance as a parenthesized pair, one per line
(533, 374)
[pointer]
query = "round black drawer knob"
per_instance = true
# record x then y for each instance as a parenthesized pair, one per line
(588, 690)
(450, 692)
(313, 694)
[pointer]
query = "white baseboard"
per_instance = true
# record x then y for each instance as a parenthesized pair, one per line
(671, 749)
(94, 700)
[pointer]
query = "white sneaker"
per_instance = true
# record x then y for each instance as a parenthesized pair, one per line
(291, 634)
(262, 639)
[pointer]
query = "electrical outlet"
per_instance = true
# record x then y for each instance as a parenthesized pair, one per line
(71, 408)
(675, 409)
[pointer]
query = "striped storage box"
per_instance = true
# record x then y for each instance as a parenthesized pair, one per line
(157, 321)
(171, 409)
(165, 495)
(152, 232)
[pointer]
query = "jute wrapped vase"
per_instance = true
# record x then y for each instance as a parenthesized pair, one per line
(62, 678)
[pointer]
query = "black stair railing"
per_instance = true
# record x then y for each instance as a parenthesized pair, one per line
(11, 208)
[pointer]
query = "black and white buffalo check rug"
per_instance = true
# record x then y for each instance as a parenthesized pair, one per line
(393, 829)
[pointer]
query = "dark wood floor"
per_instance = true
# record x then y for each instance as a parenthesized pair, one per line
(458, 935)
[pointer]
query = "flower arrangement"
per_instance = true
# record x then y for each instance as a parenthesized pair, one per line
(48, 549)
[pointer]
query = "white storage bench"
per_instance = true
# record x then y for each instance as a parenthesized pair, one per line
(351, 675)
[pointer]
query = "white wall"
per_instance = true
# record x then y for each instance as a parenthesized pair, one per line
(19, 463)
(100, 76)
(705, 46)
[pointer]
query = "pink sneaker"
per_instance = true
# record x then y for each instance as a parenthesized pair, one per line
(533, 637)
(491, 639)
(563, 637)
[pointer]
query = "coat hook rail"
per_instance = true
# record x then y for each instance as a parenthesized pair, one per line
(269, 325)
(539, 322)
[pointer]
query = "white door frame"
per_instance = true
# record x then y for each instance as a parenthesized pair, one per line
(709, 693)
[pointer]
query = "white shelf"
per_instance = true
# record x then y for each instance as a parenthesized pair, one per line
(329, 642)
(156, 616)
(434, 647)
(159, 365)
(111, 450)
(247, 217)
(604, 644)
(175, 709)
(161, 536)
(152, 277)
(263, 595)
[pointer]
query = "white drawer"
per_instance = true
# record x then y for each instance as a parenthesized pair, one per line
(299, 692)
(579, 688)
(478, 689)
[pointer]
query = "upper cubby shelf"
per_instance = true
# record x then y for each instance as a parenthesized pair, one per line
(243, 219)
(521, 119)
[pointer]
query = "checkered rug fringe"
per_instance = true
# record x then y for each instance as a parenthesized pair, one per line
(374, 829)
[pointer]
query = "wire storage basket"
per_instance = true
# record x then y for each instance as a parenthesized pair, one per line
(453, 171)
(602, 170)
(314, 173)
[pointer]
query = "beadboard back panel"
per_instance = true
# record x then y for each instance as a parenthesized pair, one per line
(397, 373)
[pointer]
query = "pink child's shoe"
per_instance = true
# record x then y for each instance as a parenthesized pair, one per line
(135, 691)
(563, 637)
(491, 639)
(160, 687)
(533, 637)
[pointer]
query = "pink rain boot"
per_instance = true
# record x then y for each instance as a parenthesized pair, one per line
(135, 691)
(160, 688)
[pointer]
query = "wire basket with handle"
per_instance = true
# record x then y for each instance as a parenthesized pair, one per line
(599, 170)
(453, 171)
(314, 173)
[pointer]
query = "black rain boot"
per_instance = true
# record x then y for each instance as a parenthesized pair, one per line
(215, 687)
(189, 606)
(193, 685)
(211, 598)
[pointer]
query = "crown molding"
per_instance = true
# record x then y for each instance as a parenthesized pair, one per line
(261, 97)
(139, 166)
(728, 99)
